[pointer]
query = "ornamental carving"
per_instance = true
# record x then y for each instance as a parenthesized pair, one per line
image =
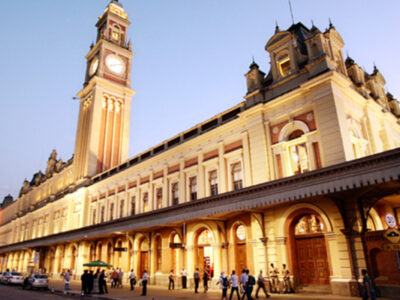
(308, 224)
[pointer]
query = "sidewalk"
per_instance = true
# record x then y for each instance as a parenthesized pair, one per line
(162, 293)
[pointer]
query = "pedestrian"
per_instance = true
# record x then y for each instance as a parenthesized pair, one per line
(90, 282)
(261, 285)
(102, 283)
(196, 277)
(144, 283)
(235, 285)
(84, 282)
(120, 277)
(66, 281)
(251, 281)
(205, 280)
(171, 284)
(287, 286)
(273, 274)
(114, 278)
(132, 279)
(243, 281)
(224, 282)
(368, 289)
(96, 282)
(184, 278)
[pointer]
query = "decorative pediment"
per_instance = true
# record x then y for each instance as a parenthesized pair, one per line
(277, 37)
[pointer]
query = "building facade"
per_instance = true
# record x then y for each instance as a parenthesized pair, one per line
(303, 172)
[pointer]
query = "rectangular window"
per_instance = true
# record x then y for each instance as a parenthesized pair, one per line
(133, 204)
(299, 158)
(94, 216)
(193, 188)
(237, 177)
(102, 214)
(121, 208)
(112, 211)
(145, 202)
(159, 198)
(213, 178)
(175, 194)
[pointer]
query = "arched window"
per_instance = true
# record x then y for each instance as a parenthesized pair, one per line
(213, 182)
(193, 188)
(102, 214)
(295, 134)
(309, 224)
(237, 176)
(175, 193)
(116, 33)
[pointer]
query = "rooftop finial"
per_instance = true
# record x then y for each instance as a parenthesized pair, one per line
(330, 24)
(312, 23)
(276, 27)
(291, 11)
(375, 69)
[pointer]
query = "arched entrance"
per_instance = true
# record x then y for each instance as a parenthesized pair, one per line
(73, 258)
(176, 253)
(240, 237)
(311, 258)
(143, 256)
(204, 251)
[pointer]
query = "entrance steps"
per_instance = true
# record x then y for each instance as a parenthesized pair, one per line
(314, 289)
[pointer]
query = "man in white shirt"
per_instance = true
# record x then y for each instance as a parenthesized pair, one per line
(243, 282)
(235, 285)
(224, 282)
(184, 278)
(144, 283)
(132, 279)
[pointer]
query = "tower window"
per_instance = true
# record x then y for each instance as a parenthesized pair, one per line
(115, 35)
(284, 66)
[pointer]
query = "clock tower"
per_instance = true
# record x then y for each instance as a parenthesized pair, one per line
(102, 137)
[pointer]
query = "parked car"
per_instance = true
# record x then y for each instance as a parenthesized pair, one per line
(38, 281)
(12, 278)
(2, 274)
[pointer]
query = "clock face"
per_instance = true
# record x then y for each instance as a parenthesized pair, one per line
(93, 66)
(115, 64)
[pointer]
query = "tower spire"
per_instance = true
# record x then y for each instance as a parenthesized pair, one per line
(291, 11)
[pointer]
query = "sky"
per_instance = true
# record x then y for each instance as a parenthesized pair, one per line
(189, 64)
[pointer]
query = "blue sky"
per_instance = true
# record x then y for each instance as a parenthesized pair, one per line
(190, 58)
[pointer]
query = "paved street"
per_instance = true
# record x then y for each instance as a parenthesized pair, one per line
(17, 293)
(154, 293)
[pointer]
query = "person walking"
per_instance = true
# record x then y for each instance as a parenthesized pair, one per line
(144, 283)
(224, 282)
(196, 277)
(66, 281)
(120, 277)
(84, 282)
(184, 278)
(114, 278)
(205, 280)
(368, 289)
(235, 285)
(243, 282)
(132, 279)
(251, 281)
(287, 286)
(171, 284)
(102, 283)
(261, 285)
(96, 282)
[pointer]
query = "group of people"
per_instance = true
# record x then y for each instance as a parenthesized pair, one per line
(116, 278)
(275, 286)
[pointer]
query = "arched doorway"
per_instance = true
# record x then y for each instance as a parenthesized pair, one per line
(99, 251)
(109, 254)
(311, 258)
(204, 251)
(143, 256)
(240, 238)
(73, 258)
(92, 253)
(176, 253)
